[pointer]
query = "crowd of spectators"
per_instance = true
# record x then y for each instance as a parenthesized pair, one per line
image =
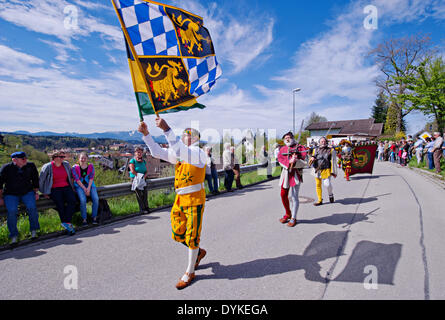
(20, 182)
(71, 187)
(429, 151)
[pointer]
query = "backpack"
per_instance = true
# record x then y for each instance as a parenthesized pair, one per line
(104, 212)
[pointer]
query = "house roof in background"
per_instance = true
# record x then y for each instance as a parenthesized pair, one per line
(350, 127)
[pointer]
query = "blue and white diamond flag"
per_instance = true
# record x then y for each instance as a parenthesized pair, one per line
(170, 53)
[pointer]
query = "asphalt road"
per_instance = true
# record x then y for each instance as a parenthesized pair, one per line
(381, 239)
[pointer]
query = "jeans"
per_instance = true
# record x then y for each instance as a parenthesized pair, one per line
(65, 201)
(12, 203)
(392, 157)
(212, 180)
(83, 202)
(229, 175)
(430, 160)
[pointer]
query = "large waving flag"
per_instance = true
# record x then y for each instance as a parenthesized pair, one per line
(170, 53)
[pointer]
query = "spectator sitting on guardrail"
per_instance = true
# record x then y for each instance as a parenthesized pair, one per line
(138, 166)
(56, 182)
(211, 172)
(20, 180)
(83, 176)
(188, 208)
(228, 164)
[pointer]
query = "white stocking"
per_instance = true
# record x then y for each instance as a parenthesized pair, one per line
(193, 254)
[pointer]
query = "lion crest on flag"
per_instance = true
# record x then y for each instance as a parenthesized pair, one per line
(190, 37)
(166, 88)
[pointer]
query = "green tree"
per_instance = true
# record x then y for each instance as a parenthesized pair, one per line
(380, 108)
(395, 58)
(427, 89)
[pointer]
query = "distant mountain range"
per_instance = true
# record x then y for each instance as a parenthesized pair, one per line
(129, 136)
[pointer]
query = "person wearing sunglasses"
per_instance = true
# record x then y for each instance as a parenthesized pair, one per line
(56, 182)
(19, 182)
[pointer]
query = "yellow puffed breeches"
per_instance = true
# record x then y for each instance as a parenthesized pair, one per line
(186, 222)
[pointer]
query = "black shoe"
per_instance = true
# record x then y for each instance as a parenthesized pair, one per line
(95, 221)
(318, 203)
(331, 199)
(84, 223)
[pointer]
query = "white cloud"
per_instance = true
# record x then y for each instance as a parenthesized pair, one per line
(50, 18)
(238, 39)
(60, 102)
(330, 67)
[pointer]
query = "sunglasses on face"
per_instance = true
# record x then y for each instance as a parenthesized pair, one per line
(62, 157)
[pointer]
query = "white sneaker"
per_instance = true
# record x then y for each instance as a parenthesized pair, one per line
(13, 240)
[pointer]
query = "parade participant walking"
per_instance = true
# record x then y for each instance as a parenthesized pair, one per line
(323, 162)
(188, 208)
(19, 182)
(347, 156)
(290, 158)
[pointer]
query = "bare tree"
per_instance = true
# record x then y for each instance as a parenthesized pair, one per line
(395, 58)
(314, 118)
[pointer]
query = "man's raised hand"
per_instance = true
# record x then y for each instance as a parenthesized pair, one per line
(142, 128)
(162, 124)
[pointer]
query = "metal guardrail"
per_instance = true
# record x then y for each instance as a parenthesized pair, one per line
(123, 189)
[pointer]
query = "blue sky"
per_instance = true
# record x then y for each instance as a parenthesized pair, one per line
(56, 77)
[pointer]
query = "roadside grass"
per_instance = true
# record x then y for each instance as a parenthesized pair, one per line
(120, 206)
(424, 165)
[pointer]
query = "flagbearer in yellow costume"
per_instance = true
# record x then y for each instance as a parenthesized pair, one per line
(324, 165)
(187, 212)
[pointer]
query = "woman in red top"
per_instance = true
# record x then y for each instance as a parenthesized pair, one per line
(58, 173)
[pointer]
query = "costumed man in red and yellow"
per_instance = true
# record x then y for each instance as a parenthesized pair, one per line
(324, 165)
(290, 158)
(347, 156)
(187, 212)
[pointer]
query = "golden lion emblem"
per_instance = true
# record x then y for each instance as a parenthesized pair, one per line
(167, 88)
(190, 37)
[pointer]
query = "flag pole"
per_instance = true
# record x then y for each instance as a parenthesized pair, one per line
(138, 63)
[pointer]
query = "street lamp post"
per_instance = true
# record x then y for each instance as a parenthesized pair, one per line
(293, 96)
